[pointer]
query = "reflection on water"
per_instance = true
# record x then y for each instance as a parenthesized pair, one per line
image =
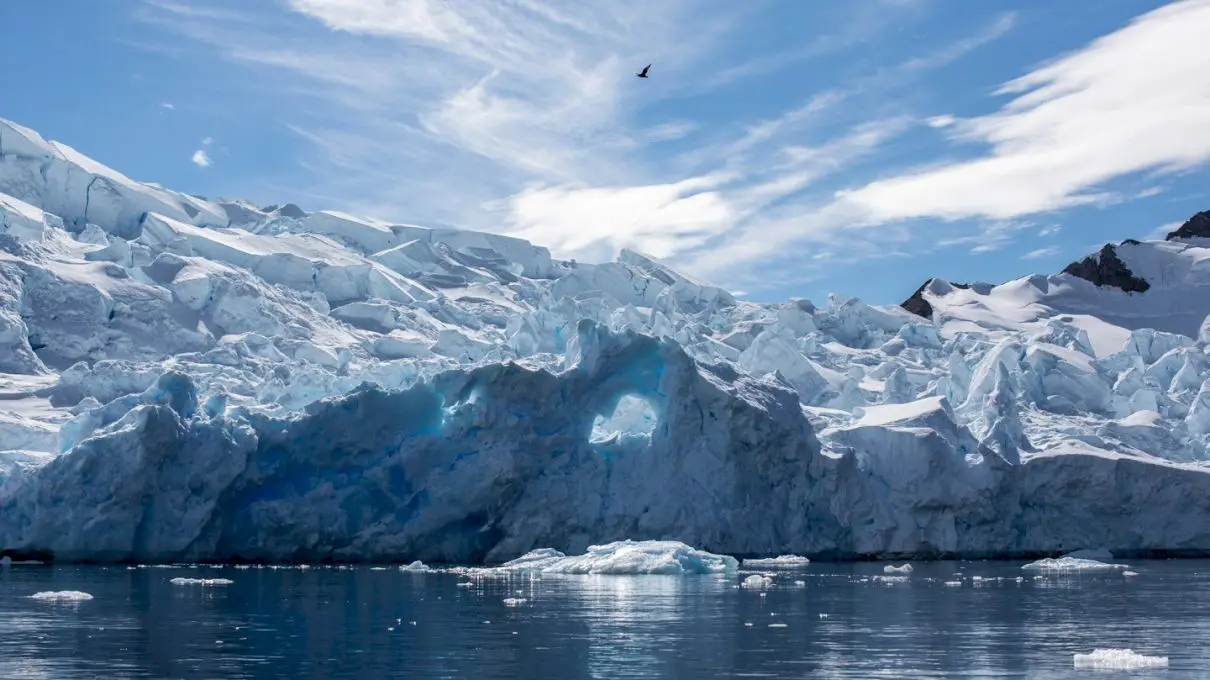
(847, 621)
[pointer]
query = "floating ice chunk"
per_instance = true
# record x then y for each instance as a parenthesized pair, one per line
(952, 584)
(779, 562)
(514, 601)
(625, 558)
(777, 625)
(416, 567)
(757, 582)
(892, 569)
(1117, 660)
(204, 582)
(61, 596)
(1069, 563)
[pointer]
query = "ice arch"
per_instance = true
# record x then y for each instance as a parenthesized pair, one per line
(632, 418)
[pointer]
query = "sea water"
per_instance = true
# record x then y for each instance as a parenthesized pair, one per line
(940, 620)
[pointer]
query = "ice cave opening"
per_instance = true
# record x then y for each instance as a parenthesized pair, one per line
(633, 418)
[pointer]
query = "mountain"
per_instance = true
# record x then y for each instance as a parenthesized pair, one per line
(192, 379)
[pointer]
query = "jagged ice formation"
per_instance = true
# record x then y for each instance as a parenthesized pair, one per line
(193, 379)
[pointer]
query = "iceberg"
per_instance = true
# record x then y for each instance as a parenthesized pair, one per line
(779, 562)
(193, 380)
(1117, 660)
(61, 596)
(1068, 564)
(624, 558)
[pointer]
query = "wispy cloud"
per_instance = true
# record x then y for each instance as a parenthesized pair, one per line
(201, 157)
(1042, 253)
(523, 116)
(1133, 101)
(1161, 232)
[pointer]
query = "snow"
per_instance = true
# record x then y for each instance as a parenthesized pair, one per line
(1117, 660)
(61, 596)
(193, 379)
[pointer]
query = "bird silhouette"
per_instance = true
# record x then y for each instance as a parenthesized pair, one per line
(643, 73)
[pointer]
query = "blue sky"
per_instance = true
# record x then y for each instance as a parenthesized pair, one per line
(780, 148)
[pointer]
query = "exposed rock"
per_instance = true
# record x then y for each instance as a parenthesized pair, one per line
(1197, 226)
(916, 304)
(1107, 269)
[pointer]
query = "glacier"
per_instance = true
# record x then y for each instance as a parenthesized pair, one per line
(193, 379)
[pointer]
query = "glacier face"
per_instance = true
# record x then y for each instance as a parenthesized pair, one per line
(186, 379)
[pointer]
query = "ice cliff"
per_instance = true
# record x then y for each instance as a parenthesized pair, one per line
(194, 379)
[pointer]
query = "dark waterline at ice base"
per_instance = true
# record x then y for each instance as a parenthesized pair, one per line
(940, 620)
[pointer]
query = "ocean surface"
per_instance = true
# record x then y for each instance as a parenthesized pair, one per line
(944, 620)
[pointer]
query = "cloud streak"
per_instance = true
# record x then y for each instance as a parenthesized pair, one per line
(1131, 102)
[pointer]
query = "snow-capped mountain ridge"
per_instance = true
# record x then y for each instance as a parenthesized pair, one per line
(210, 380)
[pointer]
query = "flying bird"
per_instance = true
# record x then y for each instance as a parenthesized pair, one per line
(643, 73)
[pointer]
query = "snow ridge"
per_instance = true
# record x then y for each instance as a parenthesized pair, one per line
(192, 380)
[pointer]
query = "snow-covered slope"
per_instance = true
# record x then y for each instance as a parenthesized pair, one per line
(210, 380)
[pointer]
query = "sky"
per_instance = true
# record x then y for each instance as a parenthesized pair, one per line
(780, 148)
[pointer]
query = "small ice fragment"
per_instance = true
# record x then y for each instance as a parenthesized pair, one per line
(416, 567)
(61, 596)
(205, 582)
(779, 562)
(823, 616)
(953, 584)
(391, 629)
(777, 625)
(800, 583)
(514, 601)
(467, 584)
(747, 624)
(892, 569)
(757, 582)
(1118, 660)
(1130, 573)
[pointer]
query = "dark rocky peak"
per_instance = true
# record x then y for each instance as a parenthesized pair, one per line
(1106, 269)
(1197, 226)
(916, 304)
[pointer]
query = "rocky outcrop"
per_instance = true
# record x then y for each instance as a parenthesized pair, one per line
(916, 304)
(1197, 226)
(1106, 269)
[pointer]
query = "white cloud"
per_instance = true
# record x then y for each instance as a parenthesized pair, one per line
(168, 106)
(523, 116)
(1133, 101)
(942, 121)
(1050, 230)
(201, 157)
(1042, 253)
(596, 222)
(1161, 232)
(666, 132)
